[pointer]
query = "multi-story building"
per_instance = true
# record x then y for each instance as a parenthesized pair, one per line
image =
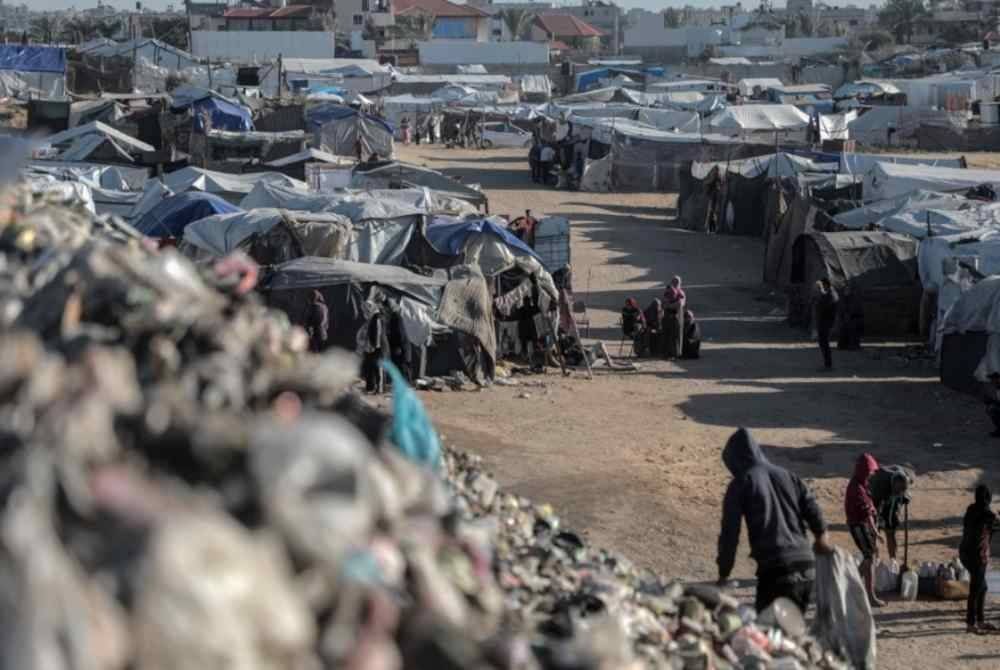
(448, 20)
(364, 16)
(566, 32)
(605, 16)
(499, 30)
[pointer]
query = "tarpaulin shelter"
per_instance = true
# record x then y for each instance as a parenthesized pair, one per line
(428, 325)
(232, 187)
(271, 236)
(222, 113)
(761, 86)
(888, 180)
(358, 204)
(766, 123)
(42, 68)
(969, 336)
(343, 130)
(397, 174)
(892, 125)
(881, 268)
(171, 216)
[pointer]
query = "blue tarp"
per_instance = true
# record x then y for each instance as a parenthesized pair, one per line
(454, 28)
(224, 114)
(172, 215)
(320, 115)
(448, 234)
(32, 58)
(591, 79)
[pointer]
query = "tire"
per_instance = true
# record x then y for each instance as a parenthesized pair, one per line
(487, 144)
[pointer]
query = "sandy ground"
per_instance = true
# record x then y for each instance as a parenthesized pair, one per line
(632, 459)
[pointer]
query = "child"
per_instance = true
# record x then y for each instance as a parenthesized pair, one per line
(862, 520)
(977, 533)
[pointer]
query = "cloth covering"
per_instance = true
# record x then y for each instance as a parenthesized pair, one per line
(888, 180)
(844, 621)
(465, 306)
(758, 117)
(171, 216)
(313, 272)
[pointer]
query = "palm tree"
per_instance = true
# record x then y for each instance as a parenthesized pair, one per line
(517, 22)
(901, 16)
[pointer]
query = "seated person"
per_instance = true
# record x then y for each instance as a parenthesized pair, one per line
(692, 336)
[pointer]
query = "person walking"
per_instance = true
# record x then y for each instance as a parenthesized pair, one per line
(534, 160)
(862, 521)
(974, 552)
(546, 158)
(826, 315)
(778, 509)
(674, 303)
(318, 322)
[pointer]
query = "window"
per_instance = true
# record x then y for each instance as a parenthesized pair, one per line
(359, 20)
(364, 5)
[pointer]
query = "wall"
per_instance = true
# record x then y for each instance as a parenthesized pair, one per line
(462, 52)
(257, 46)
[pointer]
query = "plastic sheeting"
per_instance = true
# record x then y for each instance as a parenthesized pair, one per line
(340, 129)
(669, 119)
(844, 620)
(312, 272)
(223, 233)
(97, 128)
(171, 216)
(23, 58)
(836, 126)
(751, 118)
(983, 245)
(747, 86)
(397, 174)
(872, 127)
(230, 186)
(449, 235)
(888, 180)
(773, 165)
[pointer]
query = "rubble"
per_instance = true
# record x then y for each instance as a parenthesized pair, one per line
(185, 486)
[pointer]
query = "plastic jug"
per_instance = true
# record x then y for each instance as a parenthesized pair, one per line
(910, 585)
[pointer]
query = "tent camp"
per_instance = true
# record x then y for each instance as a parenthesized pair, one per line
(773, 123)
(922, 214)
(888, 180)
(970, 338)
(881, 268)
(428, 325)
(231, 187)
(396, 174)
(344, 131)
(221, 112)
(172, 215)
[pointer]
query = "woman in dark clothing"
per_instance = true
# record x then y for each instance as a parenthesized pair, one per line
(674, 302)
(318, 322)
(977, 533)
(633, 324)
(654, 327)
(526, 331)
(851, 314)
(692, 336)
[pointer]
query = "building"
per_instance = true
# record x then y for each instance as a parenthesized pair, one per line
(499, 30)
(208, 16)
(605, 16)
(566, 32)
(364, 17)
(447, 20)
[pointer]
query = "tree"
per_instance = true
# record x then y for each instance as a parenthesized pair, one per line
(874, 40)
(44, 29)
(169, 30)
(900, 17)
(415, 26)
(959, 33)
(518, 21)
(671, 18)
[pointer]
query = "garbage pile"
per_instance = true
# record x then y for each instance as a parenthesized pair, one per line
(184, 486)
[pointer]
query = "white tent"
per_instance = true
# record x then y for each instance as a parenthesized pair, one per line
(748, 85)
(670, 119)
(768, 122)
(872, 127)
(888, 180)
(229, 186)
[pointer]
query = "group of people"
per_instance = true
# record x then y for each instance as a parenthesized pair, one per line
(665, 328)
(780, 510)
(558, 163)
(422, 129)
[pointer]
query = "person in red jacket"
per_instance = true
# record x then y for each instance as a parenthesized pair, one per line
(862, 520)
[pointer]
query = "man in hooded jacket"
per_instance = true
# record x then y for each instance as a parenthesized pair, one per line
(318, 322)
(778, 508)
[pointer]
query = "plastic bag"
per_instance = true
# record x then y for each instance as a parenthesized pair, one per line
(412, 431)
(843, 616)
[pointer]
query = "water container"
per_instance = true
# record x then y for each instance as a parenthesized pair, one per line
(910, 585)
(993, 581)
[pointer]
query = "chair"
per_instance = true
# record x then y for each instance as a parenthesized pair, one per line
(581, 317)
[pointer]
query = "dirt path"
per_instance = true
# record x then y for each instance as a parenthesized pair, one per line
(632, 459)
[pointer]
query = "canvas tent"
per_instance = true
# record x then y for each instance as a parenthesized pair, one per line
(880, 267)
(892, 125)
(888, 180)
(768, 122)
(42, 68)
(429, 325)
(970, 338)
(343, 130)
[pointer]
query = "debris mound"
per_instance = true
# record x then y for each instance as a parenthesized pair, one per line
(184, 485)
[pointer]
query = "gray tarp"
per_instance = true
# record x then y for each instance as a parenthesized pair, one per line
(220, 234)
(232, 187)
(312, 272)
(341, 137)
(397, 174)
(357, 204)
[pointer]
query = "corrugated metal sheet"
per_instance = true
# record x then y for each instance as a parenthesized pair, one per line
(446, 52)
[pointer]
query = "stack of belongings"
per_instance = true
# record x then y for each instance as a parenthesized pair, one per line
(186, 487)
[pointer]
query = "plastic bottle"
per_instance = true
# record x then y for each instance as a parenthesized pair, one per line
(910, 585)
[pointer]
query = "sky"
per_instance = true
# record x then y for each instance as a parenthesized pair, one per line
(653, 5)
